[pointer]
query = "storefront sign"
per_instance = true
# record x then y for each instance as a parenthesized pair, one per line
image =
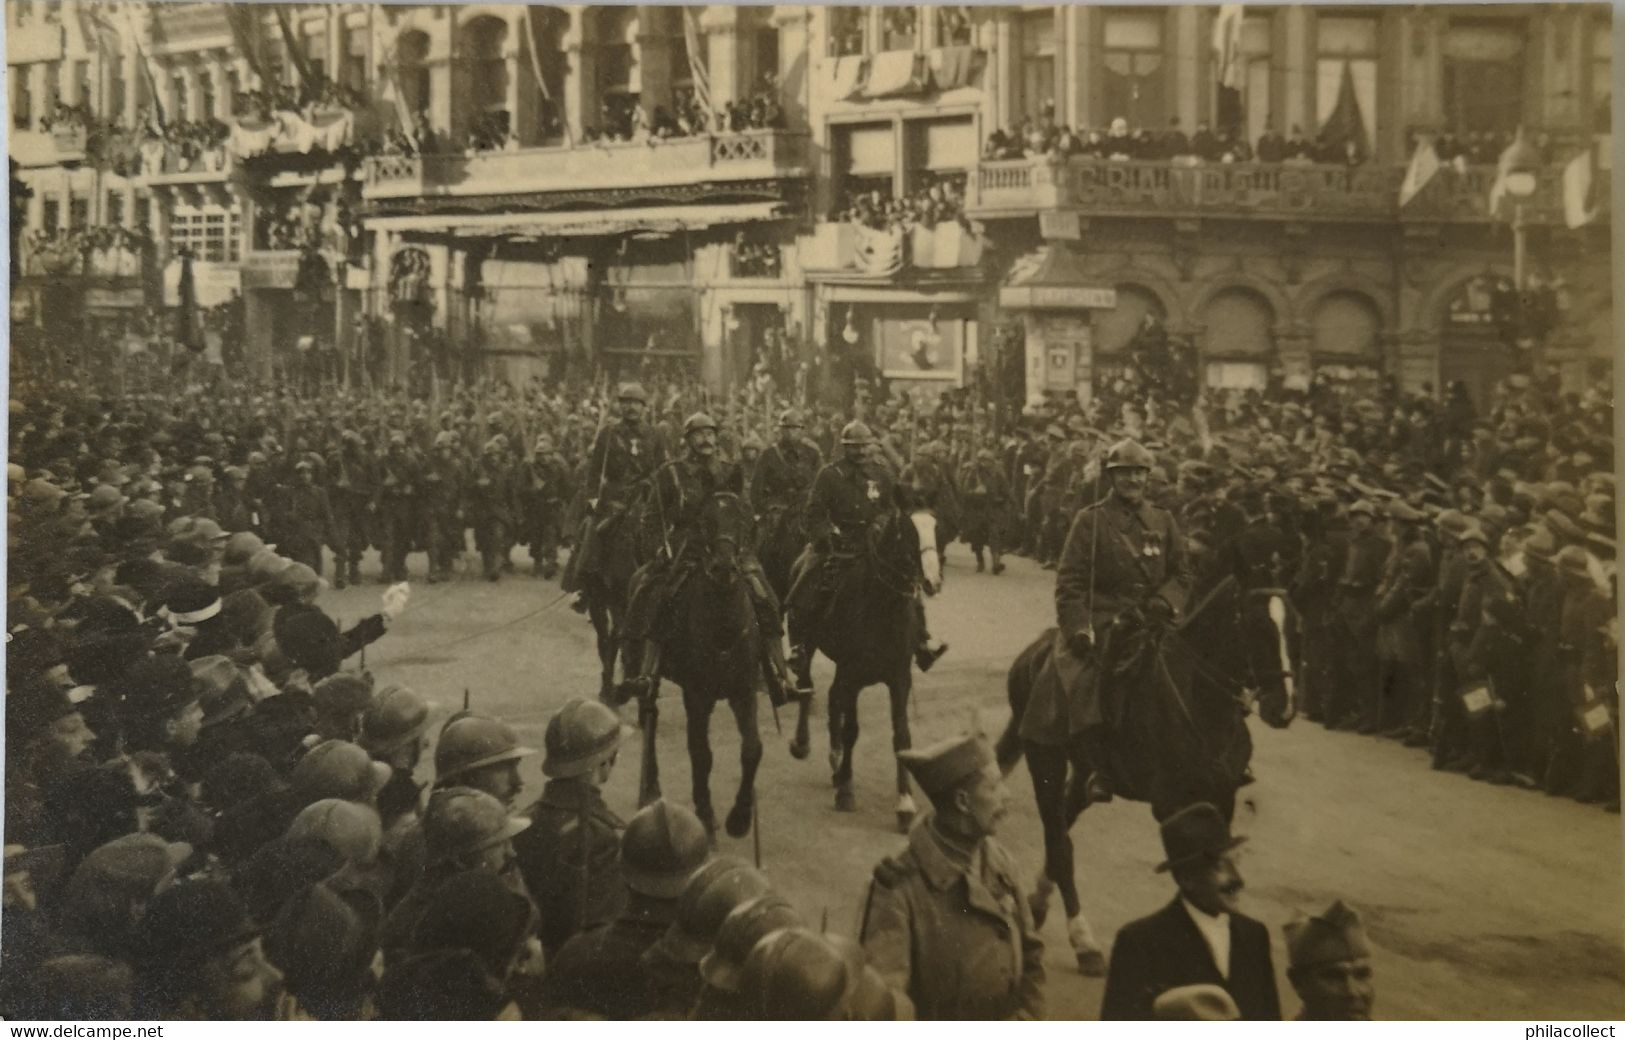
(921, 348)
(1066, 349)
(1060, 224)
(99, 299)
(1057, 298)
(278, 270)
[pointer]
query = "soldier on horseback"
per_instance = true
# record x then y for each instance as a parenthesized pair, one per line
(1123, 571)
(847, 498)
(623, 457)
(679, 492)
(784, 473)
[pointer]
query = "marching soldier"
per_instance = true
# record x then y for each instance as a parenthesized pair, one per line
(445, 480)
(986, 499)
(622, 459)
(1124, 567)
(395, 504)
(307, 519)
(546, 492)
(946, 922)
(494, 505)
(350, 488)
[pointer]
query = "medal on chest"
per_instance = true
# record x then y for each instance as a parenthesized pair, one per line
(1151, 549)
(873, 492)
(635, 447)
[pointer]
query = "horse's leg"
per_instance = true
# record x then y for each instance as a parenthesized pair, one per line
(902, 740)
(1048, 766)
(743, 703)
(607, 646)
(843, 726)
(697, 705)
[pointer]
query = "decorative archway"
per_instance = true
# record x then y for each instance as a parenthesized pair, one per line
(1236, 337)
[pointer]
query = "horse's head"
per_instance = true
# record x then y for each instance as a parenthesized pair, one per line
(1269, 636)
(725, 529)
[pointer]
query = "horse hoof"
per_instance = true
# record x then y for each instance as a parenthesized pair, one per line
(1091, 963)
(709, 819)
(738, 821)
(800, 749)
(845, 801)
(834, 760)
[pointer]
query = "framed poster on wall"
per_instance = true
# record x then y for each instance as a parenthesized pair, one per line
(920, 348)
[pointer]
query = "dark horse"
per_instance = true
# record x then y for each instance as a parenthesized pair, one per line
(712, 653)
(620, 551)
(784, 536)
(869, 630)
(1182, 737)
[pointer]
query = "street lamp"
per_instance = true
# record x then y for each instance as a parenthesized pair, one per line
(1521, 164)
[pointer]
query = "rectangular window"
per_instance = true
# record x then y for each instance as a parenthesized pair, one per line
(767, 57)
(116, 96)
(53, 86)
(51, 214)
(866, 157)
(1037, 30)
(78, 212)
(354, 72)
(22, 99)
(143, 212)
(1602, 77)
(1483, 76)
(115, 208)
(1346, 43)
(848, 31)
(205, 95)
(953, 25)
(83, 89)
(940, 151)
(899, 28)
(1135, 76)
(178, 100)
(214, 237)
(234, 237)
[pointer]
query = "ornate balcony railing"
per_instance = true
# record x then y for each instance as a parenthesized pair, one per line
(600, 166)
(1286, 191)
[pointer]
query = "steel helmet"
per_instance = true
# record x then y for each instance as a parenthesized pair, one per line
(712, 893)
(796, 974)
(698, 421)
(745, 926)
(445, 439)
(663, 845)
(580, 737)
(460, 822)
(351, 829)
(791, 417)
(632, 392)
(855, 432)
(396, 717)
(1129, 454)
(473, 742)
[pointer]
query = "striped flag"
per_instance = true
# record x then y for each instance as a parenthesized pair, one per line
(1503, 168)
(1424, 164)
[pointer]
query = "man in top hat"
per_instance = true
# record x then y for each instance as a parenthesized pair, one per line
(1199, 937)
(570, 855)
(946, 921)
(1330, 965)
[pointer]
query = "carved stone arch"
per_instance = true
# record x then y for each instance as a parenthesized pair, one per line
(418, 20)
(1286, 316)
(1430, 315)
(1164, 289)
(467, 16)
(1381, 296)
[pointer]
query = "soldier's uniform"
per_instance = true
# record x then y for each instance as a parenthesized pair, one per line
(350, 490)
(1356, 694)
(1407, 577)
(445, 479)
(623, 458)
(400, 472)
(1051, 493)
(546, 493)
(1028, 467)
(928, 484)
(986, 501)
(953, 932)
(570, 859)
(847, 498)
(307, 522)
(493, 496)
(1117, 560)
(783, 477)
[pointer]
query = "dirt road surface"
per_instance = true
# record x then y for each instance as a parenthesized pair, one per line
(1483, 902)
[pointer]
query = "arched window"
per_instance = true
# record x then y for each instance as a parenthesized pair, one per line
(412, 68)
(547, 26)
(1238, 340)
(620, 78)
(1347, 325)
(1115, 329)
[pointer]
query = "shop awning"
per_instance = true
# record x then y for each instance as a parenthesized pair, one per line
(653, 219)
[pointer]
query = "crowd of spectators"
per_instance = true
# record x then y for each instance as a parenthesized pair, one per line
(621, 118)
(755, 259)
(1042, 136)
(942, 199)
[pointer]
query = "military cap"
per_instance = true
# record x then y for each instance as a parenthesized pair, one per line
(745, 926)
(338, 769)
(1574, 560)
(1452, 522)
(872, 1000)
(304, 466)
(396, 717)
(397, 439)
(662, 846)
(445, 439)
(791, 417)
(460, 821)
(256, 458)
(1363, 506)
(1335, 934)
(1474, 532)
(581, 736)
(43, 493)
(351, 829)
(1540, 544)
(943, 766)
(241, 547)
(1199, 1002)
(632, 392)
(473, 741)
(104, 499)
(265, 564)
(1054, 430)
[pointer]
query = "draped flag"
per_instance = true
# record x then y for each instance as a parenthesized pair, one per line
(1345, 123)
(879, 252)
(1424, 164)
(1579, 206)
(1503, 167)
(1228, 59)
(541, 80)
(696, 65)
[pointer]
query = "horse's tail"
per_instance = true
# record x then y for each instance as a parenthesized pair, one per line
(1018, 686)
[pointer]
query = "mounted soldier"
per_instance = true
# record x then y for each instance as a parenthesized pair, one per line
(679, 493)
(849, 496)
(1123, 569)
(784, 474)
(623, 457)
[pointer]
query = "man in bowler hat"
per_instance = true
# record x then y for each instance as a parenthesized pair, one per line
(1199, 937)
